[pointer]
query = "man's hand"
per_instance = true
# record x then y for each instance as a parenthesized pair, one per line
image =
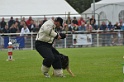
(59, 37)
(62, 35)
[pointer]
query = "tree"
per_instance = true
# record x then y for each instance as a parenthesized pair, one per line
(81, 5)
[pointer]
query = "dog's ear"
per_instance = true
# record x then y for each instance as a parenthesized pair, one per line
(65, 61)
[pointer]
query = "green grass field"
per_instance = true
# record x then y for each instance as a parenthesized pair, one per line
(97, 64)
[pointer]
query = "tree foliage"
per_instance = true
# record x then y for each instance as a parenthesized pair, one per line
(81, 5)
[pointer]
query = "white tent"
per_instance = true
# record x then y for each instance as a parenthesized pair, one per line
(112, 10)
(35, 7)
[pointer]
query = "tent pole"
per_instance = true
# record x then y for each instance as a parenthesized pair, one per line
(94, 8)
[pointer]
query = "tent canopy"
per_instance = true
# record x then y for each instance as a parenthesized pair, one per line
(109, 1)
(35, 7)
(108, 10)
(104, 3)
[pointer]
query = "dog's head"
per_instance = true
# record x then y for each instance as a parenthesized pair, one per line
(65, 61)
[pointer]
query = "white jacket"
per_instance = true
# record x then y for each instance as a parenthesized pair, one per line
(46, 32)
(24, 31)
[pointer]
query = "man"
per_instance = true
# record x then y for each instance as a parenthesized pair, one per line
(44, 40)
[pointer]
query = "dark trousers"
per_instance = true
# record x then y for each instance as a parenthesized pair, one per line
(51, 55)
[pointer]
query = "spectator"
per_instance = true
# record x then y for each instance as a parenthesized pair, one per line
(17, 20)
(92, 20)
(87, 20)
(104, 34)
(40, 24)
(45, 19)
(70, 28)
(11, 22)
(75, 28)
(115, 34)
(95, 27)
(36, 29)
(21, 25)
(2, 24)
(80, 21)
(28, 22)
(14, 28)
(89, 28)
(65, 27)
(82, 27)
(116, 26)
(6, 29)
(68, 21)
(32, 26)
(23, 19)
(121, 26)
(103, 26)
(24, 30)
(74, 21)
(110, 26)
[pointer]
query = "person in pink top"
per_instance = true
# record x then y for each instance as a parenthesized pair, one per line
(89, 28)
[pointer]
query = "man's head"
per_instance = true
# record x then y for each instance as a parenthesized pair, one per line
(58, 21)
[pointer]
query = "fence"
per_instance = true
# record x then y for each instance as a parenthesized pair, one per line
(77, 39)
